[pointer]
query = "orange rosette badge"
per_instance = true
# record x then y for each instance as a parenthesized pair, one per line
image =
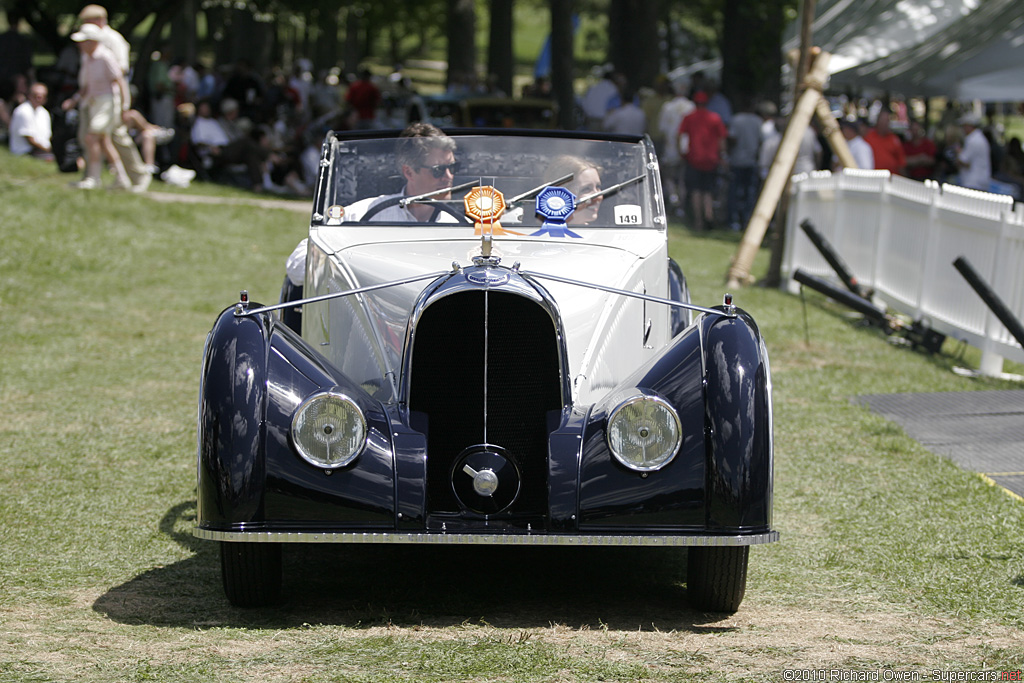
(485, 205)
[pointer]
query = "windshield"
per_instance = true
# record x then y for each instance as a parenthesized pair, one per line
(604, 183)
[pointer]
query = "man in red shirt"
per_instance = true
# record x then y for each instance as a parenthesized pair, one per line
(703, 134)
(887, 146)
(364, 96)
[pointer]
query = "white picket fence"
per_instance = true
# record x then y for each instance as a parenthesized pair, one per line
(901, 237)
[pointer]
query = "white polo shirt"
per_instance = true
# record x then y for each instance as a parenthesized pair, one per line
(29, 122)
(975, 155)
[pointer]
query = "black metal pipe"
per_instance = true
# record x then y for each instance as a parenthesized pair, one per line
(992, 299)
(857, 303)
(834, 259)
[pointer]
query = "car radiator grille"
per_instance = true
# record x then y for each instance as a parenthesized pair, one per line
(477, 344)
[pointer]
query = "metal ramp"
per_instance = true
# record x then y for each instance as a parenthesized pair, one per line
(982, 431)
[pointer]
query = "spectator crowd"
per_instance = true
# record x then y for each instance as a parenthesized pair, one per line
(262, 131)
(715, 153)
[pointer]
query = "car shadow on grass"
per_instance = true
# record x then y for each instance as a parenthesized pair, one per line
(364, 586)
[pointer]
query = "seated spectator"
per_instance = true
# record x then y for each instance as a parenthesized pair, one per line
(30, 128)
(206, 130)
(217, 151)
(231, 121)
(147, 136)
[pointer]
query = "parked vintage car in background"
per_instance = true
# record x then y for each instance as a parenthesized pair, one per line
(502, 375)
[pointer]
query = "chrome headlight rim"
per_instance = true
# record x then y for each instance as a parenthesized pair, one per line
(313, 399)
(662, 461)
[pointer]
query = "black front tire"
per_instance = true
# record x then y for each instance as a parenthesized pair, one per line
(716, 577)
(251, 573)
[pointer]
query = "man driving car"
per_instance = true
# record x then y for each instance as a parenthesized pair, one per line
(425, 158)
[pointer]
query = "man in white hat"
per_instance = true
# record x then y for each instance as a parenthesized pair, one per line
(974, 159)
(138, 172)
(103, 97)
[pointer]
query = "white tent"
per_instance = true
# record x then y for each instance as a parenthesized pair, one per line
(963, 49)
(980, 56)
(859, 31)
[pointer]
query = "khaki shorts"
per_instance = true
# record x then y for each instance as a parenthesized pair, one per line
(102, 114)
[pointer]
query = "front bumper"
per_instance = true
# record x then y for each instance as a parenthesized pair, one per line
(580, 540)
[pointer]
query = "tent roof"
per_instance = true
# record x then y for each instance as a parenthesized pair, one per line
(859, 31)
(980, 56)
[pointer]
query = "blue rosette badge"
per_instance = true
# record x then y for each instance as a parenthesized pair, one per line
(554, 206)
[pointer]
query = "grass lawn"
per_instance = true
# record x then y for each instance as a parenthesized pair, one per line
(892, 559)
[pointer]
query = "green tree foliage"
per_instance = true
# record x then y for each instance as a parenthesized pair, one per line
(641, 37)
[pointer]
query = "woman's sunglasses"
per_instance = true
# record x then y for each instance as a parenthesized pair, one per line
(438, 170)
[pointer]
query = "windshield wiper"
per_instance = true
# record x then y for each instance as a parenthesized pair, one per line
(530, 193)
(611, 190)
(405, 201)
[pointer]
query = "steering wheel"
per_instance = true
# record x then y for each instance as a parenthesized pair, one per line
(393, 201)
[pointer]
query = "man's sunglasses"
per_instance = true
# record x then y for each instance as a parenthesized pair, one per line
(438, 170)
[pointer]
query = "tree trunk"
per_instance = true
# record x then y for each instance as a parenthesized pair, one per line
(353, 26)
(751, 46)
(499, 48)
(327, 39)
(461, 43)
(633, 40)
(562, 61)
(183, 32)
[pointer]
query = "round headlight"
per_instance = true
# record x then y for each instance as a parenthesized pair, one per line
(644, 433)
(329, 430)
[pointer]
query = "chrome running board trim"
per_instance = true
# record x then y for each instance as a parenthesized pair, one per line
(441, 538)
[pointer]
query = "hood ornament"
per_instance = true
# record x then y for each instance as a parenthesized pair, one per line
(484, 205)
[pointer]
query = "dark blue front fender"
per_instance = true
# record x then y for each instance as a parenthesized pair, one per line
(255, 373)
(715, 374)
(738, 405)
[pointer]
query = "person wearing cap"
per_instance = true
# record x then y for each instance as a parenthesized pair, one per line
(974, 158)
(111, 39)
(705, 136)
(103, 93)
(139, 172)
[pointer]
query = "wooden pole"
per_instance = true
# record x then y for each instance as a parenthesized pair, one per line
(778, 175)
(801, 64)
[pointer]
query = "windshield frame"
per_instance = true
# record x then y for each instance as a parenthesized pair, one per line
(360, 165)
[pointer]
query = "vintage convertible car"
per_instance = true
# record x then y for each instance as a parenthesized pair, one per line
(502, 375)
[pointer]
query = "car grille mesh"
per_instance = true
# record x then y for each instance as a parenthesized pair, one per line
(523, 385)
